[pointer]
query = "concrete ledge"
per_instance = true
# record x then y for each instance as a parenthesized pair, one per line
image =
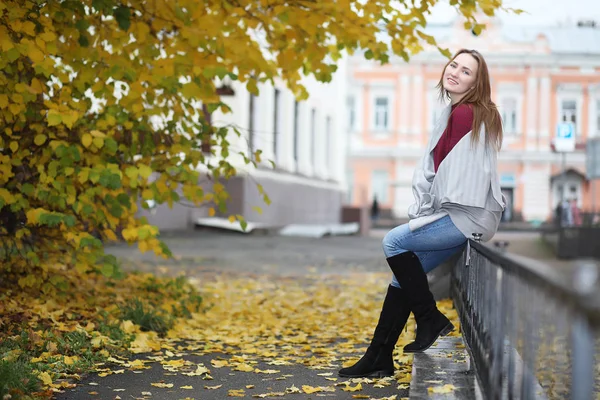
(224, 224)
(320, 230)
(443, 372)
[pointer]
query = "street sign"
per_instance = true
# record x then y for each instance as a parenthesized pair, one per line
(592, 159)
(564, 140)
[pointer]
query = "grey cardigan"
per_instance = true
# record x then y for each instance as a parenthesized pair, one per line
(466, 177)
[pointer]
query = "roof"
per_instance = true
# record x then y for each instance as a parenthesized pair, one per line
(561, 40)
(580, 40)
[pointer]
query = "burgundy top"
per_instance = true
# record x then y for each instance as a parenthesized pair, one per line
(460, 123)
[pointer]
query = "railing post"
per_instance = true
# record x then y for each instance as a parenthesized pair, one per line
(582, 338)
(476, 238)
(582, 341)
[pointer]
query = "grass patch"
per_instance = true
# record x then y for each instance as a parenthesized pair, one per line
(17, 378)
(49, 340)
(146, 317)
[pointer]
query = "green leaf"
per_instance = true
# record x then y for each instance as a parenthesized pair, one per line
(284, 17)
(143, 233)
(83, 41)
(54, 118)
(131, 172)
(124, 200)
(103, 5)
(123, 16)
(110, 146)
(27, 188)
(165, 249)
(70, 221)
(13, 54)
(116, 210)
(82, 25)
(107, 270)
(59, 282)
(145, 171)
(87, 209)
(51, 219)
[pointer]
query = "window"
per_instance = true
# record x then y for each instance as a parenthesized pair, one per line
(313, 135)
(252, 137)
(349, 186)
(276, 121)
(351, 104)
(326, 154)
(596, 127)
(296, 123)
(381, 113)
(509, 115)
(380, 185)
(568, 112)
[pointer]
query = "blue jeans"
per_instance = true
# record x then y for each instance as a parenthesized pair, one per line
(433, 243)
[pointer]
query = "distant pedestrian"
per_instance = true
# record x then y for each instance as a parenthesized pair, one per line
(566, 214)
(375, 209)
(457, 193)
(576, 213)
(558, 214)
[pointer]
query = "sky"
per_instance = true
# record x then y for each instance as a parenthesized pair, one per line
(538, 12)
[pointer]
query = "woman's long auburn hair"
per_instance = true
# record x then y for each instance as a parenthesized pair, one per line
(480, 99)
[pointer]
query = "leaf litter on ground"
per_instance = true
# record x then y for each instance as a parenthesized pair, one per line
(322, 323)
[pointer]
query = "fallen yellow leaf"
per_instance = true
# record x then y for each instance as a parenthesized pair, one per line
(349, 388)
(293, 389)
(162, 385)
(267, 371)
(448, 388)
(244, 368)
(309, 389)
(219, 363)
(236, 393)
(45, 378)
(212, 387)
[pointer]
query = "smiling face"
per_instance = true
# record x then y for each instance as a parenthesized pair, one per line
(460, 76)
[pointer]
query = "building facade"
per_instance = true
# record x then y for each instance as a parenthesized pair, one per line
(302, 167)
(540, 78)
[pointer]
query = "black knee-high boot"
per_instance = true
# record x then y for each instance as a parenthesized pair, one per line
(431, 323)
(378, 360)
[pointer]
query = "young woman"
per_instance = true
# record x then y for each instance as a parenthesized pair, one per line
(457, 193)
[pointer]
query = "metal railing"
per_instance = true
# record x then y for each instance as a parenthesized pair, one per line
(532, 331)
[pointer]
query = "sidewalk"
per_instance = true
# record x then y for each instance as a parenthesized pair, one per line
(284, 315)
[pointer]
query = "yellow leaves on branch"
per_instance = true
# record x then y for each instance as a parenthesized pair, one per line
(102, 104)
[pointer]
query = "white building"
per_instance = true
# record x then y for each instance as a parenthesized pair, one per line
(307, 142)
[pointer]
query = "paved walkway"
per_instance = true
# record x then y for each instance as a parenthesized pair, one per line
(281, 274)
(282, 261)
